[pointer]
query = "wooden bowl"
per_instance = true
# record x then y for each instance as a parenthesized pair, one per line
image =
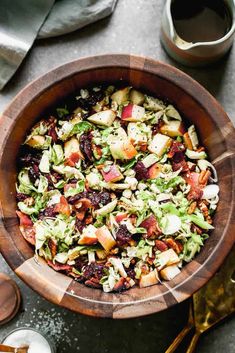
(216, 133)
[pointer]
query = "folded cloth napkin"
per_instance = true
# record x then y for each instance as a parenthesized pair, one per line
(22, 21)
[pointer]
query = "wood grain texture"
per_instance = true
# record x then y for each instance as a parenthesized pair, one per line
(195, 103)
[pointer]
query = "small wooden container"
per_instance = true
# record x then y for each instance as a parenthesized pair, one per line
(10, 299)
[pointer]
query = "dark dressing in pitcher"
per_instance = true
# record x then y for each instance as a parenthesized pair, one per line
(201, 20)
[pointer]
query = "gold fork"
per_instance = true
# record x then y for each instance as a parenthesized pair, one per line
(211, 304)
(4, 348)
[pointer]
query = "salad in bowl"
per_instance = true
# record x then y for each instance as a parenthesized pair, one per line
(117, 192)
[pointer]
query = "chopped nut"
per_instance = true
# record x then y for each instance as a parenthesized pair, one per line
(192, 207)
(204, 176)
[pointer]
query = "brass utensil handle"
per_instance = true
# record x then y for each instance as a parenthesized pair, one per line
(193, 343)
(179, 338)
(4, 348)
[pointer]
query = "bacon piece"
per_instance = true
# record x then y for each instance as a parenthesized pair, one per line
(120, 285)
(152, 227)
(53, 247)
(175, 245)
(24, 219)
(180, 165)
(192, 178)
(59, 267)
(29, 234)
(73, 159)
(160, 245)
(63, 207)
(93, 283)
(120, 217)
(80, 215)
(195, 193)
(176, 147)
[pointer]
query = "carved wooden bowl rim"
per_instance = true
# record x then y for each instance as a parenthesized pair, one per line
(64, 291)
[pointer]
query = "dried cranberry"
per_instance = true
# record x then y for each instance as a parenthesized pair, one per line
(96, 198)
(178, 157)
(48, 212)
(141, 171)
(86, 146)
(104, 197)
(123, 235)
(21, 197)
(97, 96)
(73, 181)
(85, 116)
(52, 132)
(33, 175)
(94, 270)
(79, 225)
(130, 272)
(80, 262)
(30, 159)
(156, 127)
(84, 104)
(56, 175)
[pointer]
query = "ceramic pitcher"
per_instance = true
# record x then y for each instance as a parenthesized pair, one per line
(198, 53)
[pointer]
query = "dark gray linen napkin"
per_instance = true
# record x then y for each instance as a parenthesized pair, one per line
(22, 21)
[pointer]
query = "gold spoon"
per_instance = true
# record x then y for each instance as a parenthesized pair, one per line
(4, 348)
(211, 304)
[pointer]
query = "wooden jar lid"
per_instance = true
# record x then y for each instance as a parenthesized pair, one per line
(9, 299)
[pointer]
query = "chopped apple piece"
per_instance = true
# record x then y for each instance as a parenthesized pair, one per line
(193, 136)
(173, 128)
(155, 170)
(169, 272)
(135, 134)
(167, 258)
(105, 238)
(36, 141)
(149, 160)
(159, 144)
(103, 118)
(122, 149)
(136, 97)
(101, 254)
(133, 112)
(88, 236)
(149, 280)
(112, 175)
(121, 96)
(72, 146)
(187, 141)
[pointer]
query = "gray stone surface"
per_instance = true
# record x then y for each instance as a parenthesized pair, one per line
(134, 28)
